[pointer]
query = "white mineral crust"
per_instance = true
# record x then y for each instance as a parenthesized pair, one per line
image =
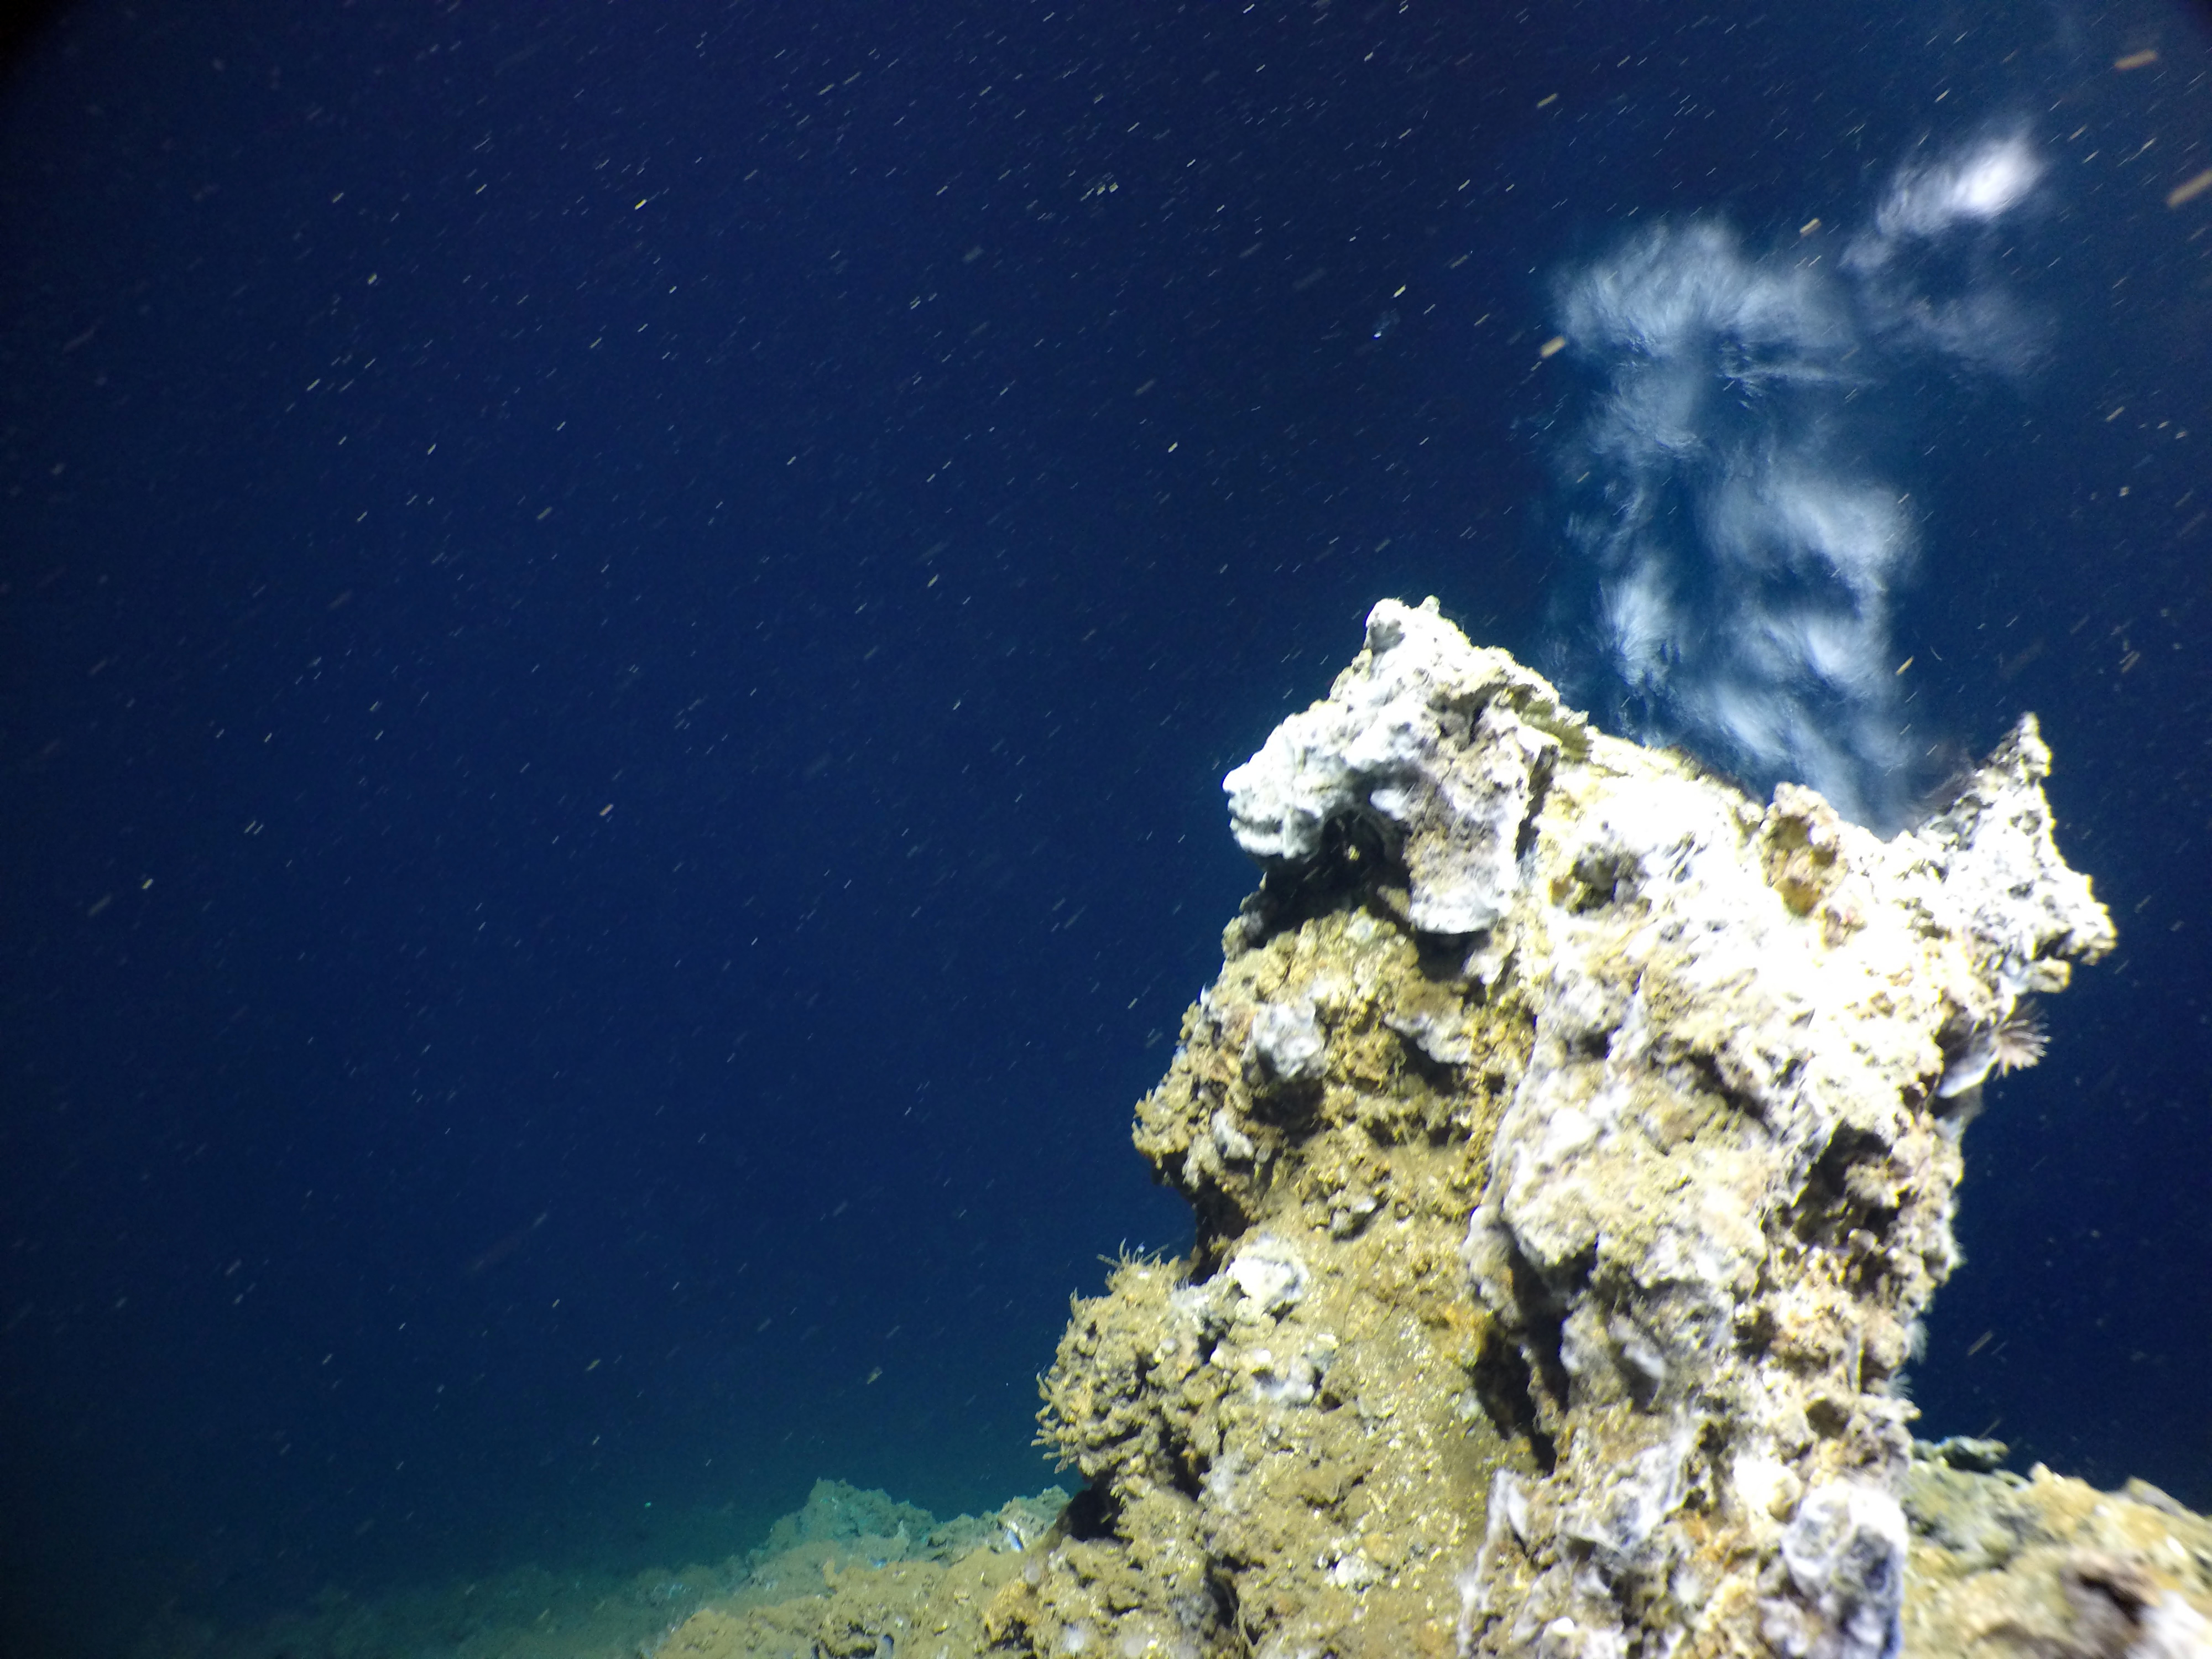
(1426, 737)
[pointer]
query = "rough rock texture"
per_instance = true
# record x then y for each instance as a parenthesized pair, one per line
(1723, 1194)
(1573, 1143)
(1283, 1440)
(2047, 1568)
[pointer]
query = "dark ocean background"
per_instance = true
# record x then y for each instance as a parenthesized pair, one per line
(619, 627)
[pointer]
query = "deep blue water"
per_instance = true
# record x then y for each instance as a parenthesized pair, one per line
(620, 626)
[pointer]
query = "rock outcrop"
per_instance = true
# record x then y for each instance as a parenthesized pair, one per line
(2005, 1566)
(1573, 1143)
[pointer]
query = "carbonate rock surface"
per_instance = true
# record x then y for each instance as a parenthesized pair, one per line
(1573, 1143)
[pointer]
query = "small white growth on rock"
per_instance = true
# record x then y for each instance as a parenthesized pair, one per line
(1293, 1380)
(1764, 1486)
(1231, 1142)
(1270, 1274)
(1287, 1040)
(1444, 1040)
(1354, 1570)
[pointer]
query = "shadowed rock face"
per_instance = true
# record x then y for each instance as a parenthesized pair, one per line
(1573, 1143)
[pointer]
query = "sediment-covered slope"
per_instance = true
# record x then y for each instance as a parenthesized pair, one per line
(1573, 1143)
